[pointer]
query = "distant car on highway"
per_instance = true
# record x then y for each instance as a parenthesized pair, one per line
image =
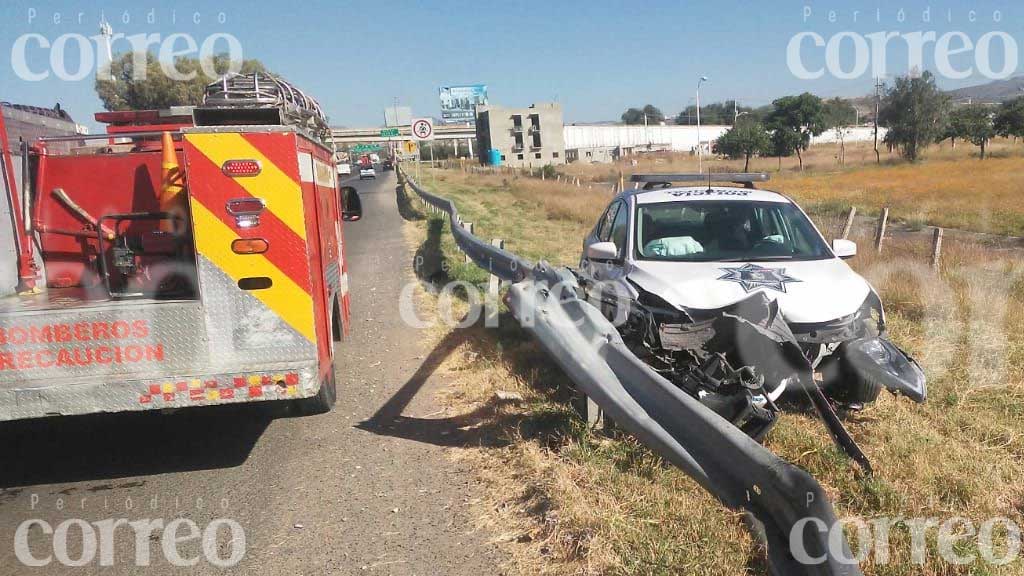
(388, 164)
(367, 171)
(344, 169)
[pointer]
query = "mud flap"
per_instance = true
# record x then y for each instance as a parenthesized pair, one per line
(880, 360)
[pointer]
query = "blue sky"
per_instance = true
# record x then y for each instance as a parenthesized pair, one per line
(596, 57)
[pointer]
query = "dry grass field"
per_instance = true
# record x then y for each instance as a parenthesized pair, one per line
(567, 500)
(949, 187)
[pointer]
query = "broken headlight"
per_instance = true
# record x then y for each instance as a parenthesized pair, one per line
(872, 315)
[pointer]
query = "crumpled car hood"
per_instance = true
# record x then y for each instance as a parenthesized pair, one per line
(806, 292)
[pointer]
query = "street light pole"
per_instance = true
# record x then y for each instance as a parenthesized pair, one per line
(394, 112)
(700, 152)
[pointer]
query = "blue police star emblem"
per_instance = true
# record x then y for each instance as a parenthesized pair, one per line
(751, 277)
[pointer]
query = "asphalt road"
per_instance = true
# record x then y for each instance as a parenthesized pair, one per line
(365, 489)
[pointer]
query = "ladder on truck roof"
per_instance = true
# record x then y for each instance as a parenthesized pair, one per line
(246, 99)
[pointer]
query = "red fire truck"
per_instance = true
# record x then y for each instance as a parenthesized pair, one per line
(187, 257)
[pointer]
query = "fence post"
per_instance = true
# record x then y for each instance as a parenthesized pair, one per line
(493, 286)
(849, 223)
(883, 221)
(936, 248)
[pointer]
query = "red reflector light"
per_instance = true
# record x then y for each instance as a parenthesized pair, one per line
(236, 168)
(244, 206)
(249, 246)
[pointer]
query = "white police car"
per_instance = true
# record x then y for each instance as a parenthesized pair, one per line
(734, 294)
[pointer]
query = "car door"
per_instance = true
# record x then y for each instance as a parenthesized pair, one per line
(600, 233)
(610, 287)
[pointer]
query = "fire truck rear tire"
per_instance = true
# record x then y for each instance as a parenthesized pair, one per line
(324, 400)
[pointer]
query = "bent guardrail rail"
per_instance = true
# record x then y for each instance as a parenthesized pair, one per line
(788, 508)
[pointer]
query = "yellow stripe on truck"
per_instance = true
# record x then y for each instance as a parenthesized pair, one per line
(285, 298)
(281, 193)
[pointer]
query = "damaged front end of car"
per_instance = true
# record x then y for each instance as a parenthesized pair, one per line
(739, 360)
(854, 359)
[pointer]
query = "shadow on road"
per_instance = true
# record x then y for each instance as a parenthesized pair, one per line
(480, 427)
(490, 424)
(109, 446)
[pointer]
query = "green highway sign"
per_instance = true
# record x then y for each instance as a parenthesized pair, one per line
(366, 147)
(389, 133)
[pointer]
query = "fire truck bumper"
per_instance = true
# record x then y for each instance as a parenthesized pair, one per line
(286, 382)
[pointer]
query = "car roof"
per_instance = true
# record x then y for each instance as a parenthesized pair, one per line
(695, 193)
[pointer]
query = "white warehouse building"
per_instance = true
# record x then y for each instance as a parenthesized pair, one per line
(676, 138)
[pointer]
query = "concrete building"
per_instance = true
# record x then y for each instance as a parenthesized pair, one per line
(524, 137)
(596, 154)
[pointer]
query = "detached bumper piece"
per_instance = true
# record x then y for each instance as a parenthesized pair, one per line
(880, 360)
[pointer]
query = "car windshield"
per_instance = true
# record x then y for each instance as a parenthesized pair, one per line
(704, 231)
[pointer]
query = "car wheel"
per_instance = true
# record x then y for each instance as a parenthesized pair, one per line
(862, 390)
(853, 387)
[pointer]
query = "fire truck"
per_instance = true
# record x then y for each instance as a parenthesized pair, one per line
(186, 257)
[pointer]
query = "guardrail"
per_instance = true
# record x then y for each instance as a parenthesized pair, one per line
(786, 505)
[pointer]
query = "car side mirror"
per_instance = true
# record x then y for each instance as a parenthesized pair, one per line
(602, 251)
(844, 248)
(351, 205)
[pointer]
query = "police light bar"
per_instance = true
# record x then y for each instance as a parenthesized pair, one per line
(746, 178)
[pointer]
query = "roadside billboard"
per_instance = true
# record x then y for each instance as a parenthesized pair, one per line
(458, 103)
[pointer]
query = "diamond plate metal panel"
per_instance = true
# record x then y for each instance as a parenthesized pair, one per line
(88, 397)
(65, 345)
(70, 357)
(253, 335)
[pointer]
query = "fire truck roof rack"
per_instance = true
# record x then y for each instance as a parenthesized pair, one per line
(246, 99)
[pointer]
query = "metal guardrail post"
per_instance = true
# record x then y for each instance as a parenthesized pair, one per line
(493, 290)
(468, 227)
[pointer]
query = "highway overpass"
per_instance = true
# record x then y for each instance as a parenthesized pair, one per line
(372, 135)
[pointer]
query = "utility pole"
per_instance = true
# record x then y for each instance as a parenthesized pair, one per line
(878, 99)
(734, 114)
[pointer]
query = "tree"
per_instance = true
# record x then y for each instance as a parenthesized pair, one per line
(746, 138)
(1010, 118)
(913, 110)
(637, 115)
(973, 122)
(783, 143)
(840, 114)
(796, 119)
(156, 90)
(721, 113)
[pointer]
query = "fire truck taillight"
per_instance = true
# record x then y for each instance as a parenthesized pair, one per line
(246, 211)
(249, 246)
(241, 168)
